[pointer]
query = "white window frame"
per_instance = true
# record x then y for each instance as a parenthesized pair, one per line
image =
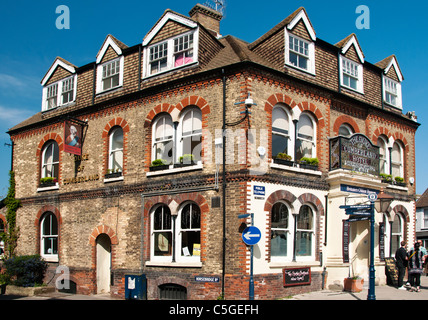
(310, 56)
(310, 257)
(153, 257)
(51, 257)
(113, 152)
(44, 162)
(164, 139)
(314, 137)
(400, 233)
(170, 48)
(290, 236)
(425, 218)
(400, 164)
(387, 82)
(195, 133)
(387, 157)
(290, 135)
(100, 75)
(358, 67)
(60, 87)
(179, 233)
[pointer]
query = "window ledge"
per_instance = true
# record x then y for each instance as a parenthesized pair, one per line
(181, 264)
(392, 186)
(108, 180)
(108, 91)
(295, 169)
(351, 90)
(51, 258)
(171, 170)
(55, 187)
(286, 264)
(300, 70)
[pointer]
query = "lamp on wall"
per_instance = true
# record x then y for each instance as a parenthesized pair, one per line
(383, 201)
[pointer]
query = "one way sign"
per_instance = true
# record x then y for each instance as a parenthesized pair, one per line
(251, 235)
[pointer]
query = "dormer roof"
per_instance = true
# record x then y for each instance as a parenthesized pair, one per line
(59, 62)
(349, 41)
(168, 15)
(389, 62)
(290, 22)
(111, 41)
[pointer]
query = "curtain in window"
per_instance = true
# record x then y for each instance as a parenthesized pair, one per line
(192, 133)
(279, 230)
(280, 131)
(190, 230)
(50, 160)
(396, 157)
(163, 138)
(116, 150)
(305, 137)
(304, 231)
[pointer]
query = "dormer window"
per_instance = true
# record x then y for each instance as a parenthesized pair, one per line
(173, 53)
(351, 75)
(183, 50)
(111, 73)
(59, 93)
(299, 52)
(392, 92)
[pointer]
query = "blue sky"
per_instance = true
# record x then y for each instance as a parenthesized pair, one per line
(30, 42)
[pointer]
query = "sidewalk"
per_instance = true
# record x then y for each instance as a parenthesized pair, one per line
(383, 292)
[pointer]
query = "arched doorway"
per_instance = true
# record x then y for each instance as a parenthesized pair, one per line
(103, 248)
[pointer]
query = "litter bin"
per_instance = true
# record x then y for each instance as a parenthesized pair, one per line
(135, 287)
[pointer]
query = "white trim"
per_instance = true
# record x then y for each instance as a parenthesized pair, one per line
(52, 69)
(99, 86)
(311, 53)
(59, 93)
(394, 63)
(168, 16)
(302, 15)
(399, 101)
(360, 81)
(353, 41)
(108, 42)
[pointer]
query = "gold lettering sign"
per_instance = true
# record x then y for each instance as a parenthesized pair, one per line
(74, 180)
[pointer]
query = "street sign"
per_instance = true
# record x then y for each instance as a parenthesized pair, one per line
(358, 218)
(356, 207)
(359, 212)
(251, 235)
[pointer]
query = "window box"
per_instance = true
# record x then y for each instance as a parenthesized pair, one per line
(284, 162)
(47, 182)
(309, 163)
(182, 165)
(113, 175)
(159, 167)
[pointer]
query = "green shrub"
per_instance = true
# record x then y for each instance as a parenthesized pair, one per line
(187, 158)
(399, 179)
(159, 162)
(26, 271)
(311, 161)
(283, 156)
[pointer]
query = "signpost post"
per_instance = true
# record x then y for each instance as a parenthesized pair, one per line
(251, 236)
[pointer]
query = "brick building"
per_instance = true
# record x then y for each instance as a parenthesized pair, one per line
(127, 199)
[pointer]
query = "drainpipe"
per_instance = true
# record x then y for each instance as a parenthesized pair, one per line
(224, 185)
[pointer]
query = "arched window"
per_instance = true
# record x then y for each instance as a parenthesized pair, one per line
(189, 235)
(191, 133)
(280, 225)
(397, 232)
(397, 160)
(116, 150)
(383, 155)
(163, 137)
(49, 237)
(305, 232)
(346, 130)
(50, 160)
(162, 232)
(280, 131)
(305, 137)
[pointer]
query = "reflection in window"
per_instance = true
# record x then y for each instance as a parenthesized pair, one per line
(279, 230)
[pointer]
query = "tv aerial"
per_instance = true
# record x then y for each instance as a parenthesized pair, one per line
(217, 5)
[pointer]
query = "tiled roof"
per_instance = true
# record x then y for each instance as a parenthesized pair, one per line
(423, 200)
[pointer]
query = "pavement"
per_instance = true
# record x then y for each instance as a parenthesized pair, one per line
(383, 292)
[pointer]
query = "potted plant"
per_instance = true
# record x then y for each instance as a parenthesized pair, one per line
(386, 178)
(159, 164)
(399, 181)
(185, 160)
(48, 182)
(112, 173)
(309, 163)
(353, 284)
(283, 158)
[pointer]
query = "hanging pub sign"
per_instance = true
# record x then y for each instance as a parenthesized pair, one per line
(355, 153)
(73, 133)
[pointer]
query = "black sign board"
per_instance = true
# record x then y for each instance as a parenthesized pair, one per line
(391, 271)
(346, 227)
(296, 276)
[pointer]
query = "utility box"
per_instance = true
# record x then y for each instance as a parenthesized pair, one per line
(135, 287)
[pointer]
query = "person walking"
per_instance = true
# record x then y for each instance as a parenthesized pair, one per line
(401, 263)
(416, 261)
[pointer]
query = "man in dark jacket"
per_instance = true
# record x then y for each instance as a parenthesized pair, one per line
(401, 263)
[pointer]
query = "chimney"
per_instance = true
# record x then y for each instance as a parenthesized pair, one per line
(207, 17)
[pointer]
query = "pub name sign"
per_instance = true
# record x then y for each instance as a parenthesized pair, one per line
(355, 153)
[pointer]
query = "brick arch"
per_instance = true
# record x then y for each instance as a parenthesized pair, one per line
(342, 120)
(163, 107)
(165, 279)
(398, 136)
(278, 98)
(115, 122)
(314, 200)
(276, 196)
(50, 136)
(310, 107)
(400, 209)
(103, 229)
(378, 132)
(198, 101)
(37, 221)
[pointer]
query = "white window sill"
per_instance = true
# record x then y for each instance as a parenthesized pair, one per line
(181, 264)
(55, 187)
(108, 180)
(161, 73)
(351, 90)
(303, 71)
(171, 170)
(286, 264)
(295, 169)
(51, 258)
